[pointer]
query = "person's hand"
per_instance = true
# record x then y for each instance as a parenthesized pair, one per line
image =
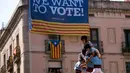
(83, 65)
(88, 59)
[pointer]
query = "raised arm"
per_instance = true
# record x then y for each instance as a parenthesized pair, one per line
(98, 54)
(81, 56)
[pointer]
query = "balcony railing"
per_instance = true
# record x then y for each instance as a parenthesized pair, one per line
(98, 45)
(17, 54)
(3, 69)
(48, 48)
(10, 64)
(125, 49)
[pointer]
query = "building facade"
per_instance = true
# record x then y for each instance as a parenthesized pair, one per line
(127, 0)
(24, 52)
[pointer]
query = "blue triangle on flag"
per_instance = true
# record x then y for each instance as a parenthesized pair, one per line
(55, 42)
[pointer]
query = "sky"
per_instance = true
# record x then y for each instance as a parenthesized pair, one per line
(7, 8)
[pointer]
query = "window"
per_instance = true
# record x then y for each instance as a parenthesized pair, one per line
(10, 50)
(18, 70)
(127, 67)
(111, 35)
(54, 37)
(54, 70)
(4, 59)
(127, 38)
(17, 40)
(127, 16)
(94, 37)
(91, 15)
(55, 67)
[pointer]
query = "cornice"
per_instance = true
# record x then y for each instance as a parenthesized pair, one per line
(109, 6)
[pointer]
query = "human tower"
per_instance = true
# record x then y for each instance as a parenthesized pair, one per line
(89, 60)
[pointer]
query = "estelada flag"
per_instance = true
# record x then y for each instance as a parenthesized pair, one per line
(55, 46)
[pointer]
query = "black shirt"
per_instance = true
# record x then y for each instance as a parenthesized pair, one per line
(84, 50)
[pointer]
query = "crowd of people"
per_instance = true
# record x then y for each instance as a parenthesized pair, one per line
(89, 60)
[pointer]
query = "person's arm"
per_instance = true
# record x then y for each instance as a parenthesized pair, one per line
(90, 43)
(83, 56)
(91, 56)
(88, 60)
(98, 54)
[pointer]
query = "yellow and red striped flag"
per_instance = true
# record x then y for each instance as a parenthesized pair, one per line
(56, 47)
(43, 27)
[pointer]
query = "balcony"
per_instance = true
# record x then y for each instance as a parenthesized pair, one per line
(125, 49)
(10, 64)
(48, 49)
(3, 69)
(17, 54)
(98, 45)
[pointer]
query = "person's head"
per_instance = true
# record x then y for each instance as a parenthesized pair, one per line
(87, 46)
(84, 39)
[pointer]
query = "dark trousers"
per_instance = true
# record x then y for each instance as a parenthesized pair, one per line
(78, 71)
(89, 69)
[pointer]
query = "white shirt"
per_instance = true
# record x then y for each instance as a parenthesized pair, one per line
(77, 66)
